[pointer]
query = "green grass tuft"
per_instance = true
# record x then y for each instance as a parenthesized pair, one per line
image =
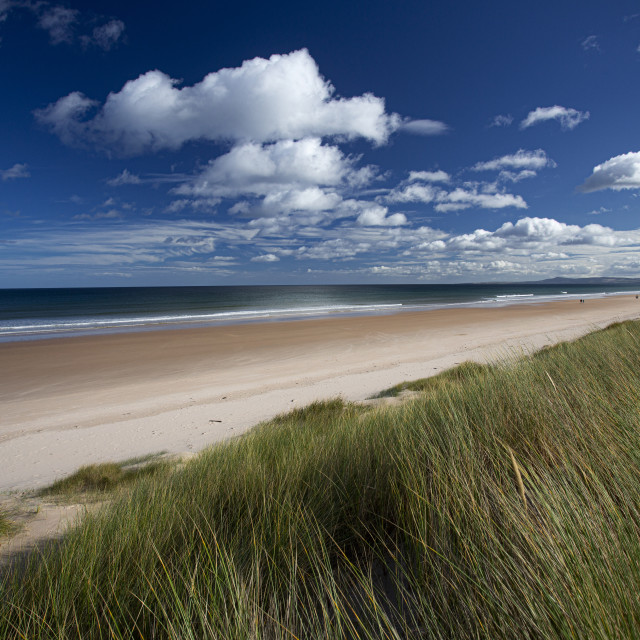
(103, 477)
(455, 375)
(6, 526)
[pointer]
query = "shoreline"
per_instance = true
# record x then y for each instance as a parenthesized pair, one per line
(70, 401)
(86, 326)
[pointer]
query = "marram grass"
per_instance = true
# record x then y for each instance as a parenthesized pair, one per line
(100, 478)
(501, 502)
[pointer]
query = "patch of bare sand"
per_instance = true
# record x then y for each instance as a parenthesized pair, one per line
(37, 522)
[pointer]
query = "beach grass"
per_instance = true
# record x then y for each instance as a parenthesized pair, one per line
(108, 476)
(501, 503)
(455, 375)
(6, 526)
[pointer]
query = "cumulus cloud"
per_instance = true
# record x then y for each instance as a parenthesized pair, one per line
(267, 257)
(283, 97)
(17, 171)
(535, 233)
(424, 127)
(502, 121)
(204, 204)
(521, 159)
(126, 177)
(548, 229)
(257, 169)
(63, 116)
(376, 216)
(289, 201)
(617, 173)
(278, 179)
(59, 22)
(429, 176)
(567, 117)
(484, 195)
(105, 36)
(424, 193)
(462, 198)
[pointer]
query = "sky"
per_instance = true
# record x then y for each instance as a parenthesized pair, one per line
(223, 143)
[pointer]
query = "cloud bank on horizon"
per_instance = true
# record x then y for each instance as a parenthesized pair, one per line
(281, 173)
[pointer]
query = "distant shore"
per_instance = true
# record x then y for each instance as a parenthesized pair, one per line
(73, 401)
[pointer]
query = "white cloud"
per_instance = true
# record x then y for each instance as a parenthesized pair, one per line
(597, 212)
(112, 214)
(204, 204)
(502, 121)
(126, 177)
(413, 193)
(590, 43)
(550, 230)
(569, 118)
(5, 7)
(628, 266)
(64, 116)
(284, 97)
(541, 236)
(521, 159)
(513, 176)
(424, 127)
(483, 195)
(59, 22)
(262, 169)
(105, 36)
(376, 216)
(289, 201)
(267, 257)
(17, 171)
(461, 198)
(338, 248)
(289, 176)
(617, 173)
(429, 176)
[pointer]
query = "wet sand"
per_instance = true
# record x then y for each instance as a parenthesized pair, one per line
(73, 401)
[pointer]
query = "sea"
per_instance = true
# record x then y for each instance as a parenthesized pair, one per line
(29, 314)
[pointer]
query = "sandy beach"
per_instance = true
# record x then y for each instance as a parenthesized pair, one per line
(73, 401)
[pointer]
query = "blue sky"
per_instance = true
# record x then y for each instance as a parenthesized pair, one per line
(252, 143)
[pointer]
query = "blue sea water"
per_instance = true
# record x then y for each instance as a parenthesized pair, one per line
(44, 313)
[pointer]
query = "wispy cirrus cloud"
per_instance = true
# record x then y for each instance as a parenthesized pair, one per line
(15, 172)
(105, 36)
(63, 24)
(567, 117)
(591, 43)
(521, 159)
(502, 121)
(58, 21)
(125, 177)
(528, 245)
(424, 127)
